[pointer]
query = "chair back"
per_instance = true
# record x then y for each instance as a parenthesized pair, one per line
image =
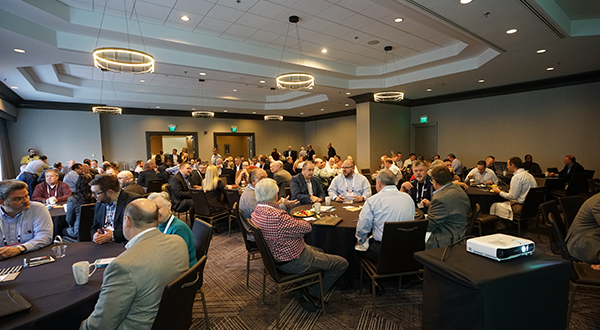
(558, 239)
(223, 179)
(532, 202)
(177, 302)
(244, 226)
(202, 233)
(570, 206)
(551, 208)
(86, 220)
(154, 185)
(365, 171)
(232, 197)
(473, 219)
(401, 239)
(578, 184)
(267, 257)
(200, 202)
(594, 185)
(589, 174)
(288, 192)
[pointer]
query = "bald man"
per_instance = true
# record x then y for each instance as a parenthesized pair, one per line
(126, 182)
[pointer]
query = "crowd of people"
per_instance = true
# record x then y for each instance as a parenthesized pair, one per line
(275, 184)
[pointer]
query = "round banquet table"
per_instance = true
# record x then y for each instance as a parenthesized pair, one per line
(58, 302)
(341, 238)
(485, 197)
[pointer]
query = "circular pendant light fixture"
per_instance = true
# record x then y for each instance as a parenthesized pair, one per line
(107, 110)
(298, 80)
(274, 118)
(123, 60)
(203, 114)
(389, 96)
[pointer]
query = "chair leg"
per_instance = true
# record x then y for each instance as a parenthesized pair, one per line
(230, 226)
(264, 285)
(361, 278)
(322, 295)
(205, 310)
(278, 305)
(373, 292)
(247, 270)
(571, 302)
(400, 283)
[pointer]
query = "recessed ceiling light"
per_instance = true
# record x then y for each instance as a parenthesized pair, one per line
(511, 31)
(203, 73)
(481, 80)
(541, 51)
(193, 108)
(348, 93)
(347, 105)
(322, 109)
(464, 2)
(399, 19)
(157, 107)
(301, 113)
(324, 51)
(14, 87)
(185, 18)
(142, 81)
(262, 81)
(429, 89)
(235, 90)
(19, 50)
(549, 69)
(225, 110)
(254, 112)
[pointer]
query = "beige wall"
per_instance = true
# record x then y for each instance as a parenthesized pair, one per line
(341, 132)
(547, 124)
(390, 130)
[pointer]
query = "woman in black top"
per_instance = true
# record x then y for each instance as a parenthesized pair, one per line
(81, 196)
(213, 190)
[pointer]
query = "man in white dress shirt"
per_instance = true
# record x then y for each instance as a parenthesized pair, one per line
(350, 185)
(520, 184)
(482, 174)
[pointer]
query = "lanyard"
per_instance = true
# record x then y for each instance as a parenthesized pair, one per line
(55, 190)
(169, 223)
(19, 230)
(346, 181)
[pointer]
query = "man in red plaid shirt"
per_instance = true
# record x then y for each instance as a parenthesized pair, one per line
(284, 236)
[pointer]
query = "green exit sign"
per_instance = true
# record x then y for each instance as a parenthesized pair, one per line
(172, 128)
(424, 119)
(234, 129)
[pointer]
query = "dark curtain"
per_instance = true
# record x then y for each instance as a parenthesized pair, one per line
(7, 170)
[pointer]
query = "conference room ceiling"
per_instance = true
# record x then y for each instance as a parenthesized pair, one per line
(441, 47)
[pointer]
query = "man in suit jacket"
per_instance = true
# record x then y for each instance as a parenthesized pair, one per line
(133, 283)
(198, 175)
(281, 176)
(149, 173)
(571, 167)
(305, 187)
(583, 238)
(290, 153)
(111, 202)
(310, 153)
(126, 181)
(448, 211)
(181, 196)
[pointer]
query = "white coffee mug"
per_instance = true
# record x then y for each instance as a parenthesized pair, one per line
(81, 271)
(327, 200)
(318, 207)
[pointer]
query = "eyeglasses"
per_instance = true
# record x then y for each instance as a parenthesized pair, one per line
(98, 194)
(347, 167)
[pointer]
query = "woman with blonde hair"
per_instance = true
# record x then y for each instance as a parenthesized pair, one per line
(213, 190)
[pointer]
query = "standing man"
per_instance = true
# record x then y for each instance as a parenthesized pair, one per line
(73, 175)
(281, 176)
(448, 212)
(126, 181)
(181, 196)
(51, 191)
(111, 202)
(520, 184)
(457, 166)
(305, 187)
(290, 153)
(388, 204)
(215, 156)
(482, 174)
(133, 283)
(31, 156)
(175, 157)
(310, 153)
(421, 187)
(330, 150)
(26, 226)
(353, 186)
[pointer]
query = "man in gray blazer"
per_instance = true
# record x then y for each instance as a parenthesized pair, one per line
(300, 189)
(448, 212)
(583, 238)
(133, 283)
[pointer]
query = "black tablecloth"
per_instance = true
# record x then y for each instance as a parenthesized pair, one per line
(468, 291)
(484, 197)
(58, 302)
(339, 239)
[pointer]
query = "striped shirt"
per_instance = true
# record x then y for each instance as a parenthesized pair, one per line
(284, 235)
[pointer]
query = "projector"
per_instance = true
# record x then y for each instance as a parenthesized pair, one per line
(500, 247)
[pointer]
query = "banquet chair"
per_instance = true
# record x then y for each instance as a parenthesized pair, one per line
(154, 185)
(365, 171)
(401, 239)
(582, 275)
(223, 179)
(202, 233)
(251, 247)
(177, 213)
(473, 219)
(548, 208)
(203, 211)
(288, 192)
(570, 206)
(232, 197)
(283, 279)
(531, 205)
(86, 220)
(594, 185)
(177, 302)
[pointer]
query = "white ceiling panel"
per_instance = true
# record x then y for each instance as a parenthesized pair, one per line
(335, 13)
(194, 6)
(252, 20)
(241, 31)
(209, 23)
(225, 13)
(312, 7)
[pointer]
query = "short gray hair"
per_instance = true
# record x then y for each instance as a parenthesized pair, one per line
(266, 190)
(8, 186)
(143, 213)
(436, 163)
(125, 174)
(386, 177)
(161, 198)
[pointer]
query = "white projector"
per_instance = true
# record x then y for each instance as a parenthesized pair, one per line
(500, 247)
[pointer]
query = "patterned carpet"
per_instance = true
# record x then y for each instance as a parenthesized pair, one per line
(233, 306)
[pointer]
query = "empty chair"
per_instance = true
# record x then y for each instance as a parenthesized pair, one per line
(175, 309)
(154, 185)
(232, 197)
(202, 209)
(283, 279)
(86, 221)
(251, 247)
(399, 242)
(570, 206)
(473, 219)
(551, 207)
(202, 232)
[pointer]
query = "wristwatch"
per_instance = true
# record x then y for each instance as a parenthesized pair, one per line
(22, 248)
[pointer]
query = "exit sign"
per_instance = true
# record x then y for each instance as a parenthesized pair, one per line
(424, 119)
(172, 128)
(234, 129)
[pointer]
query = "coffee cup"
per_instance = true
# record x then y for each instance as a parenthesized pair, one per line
(318, 207)
(327, 200)
(81, 271)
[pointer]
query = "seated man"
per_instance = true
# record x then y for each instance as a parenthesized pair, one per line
(281, 176)
(571, 167)
(284, 236)
(583, 238)
(321, 174)
(111, 170)
(198, 175)
(305, 187)
(248, 197)
(411, 158)
(149, 173)
(388, 204)
(162, 169)
(73, 175)
(389, 164)
(111, 202)
(133, 283)
(448, 164)
(67, 169)
(530, 166)
(126, 181)
(520, 184)
(481, 174)
(421, 187)
(457, 165)
(181, 196)
(242, 174)
(58, 167)
(26, 226)
(51, 191)
(350, 185)
(448, 212)
(489, 163)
